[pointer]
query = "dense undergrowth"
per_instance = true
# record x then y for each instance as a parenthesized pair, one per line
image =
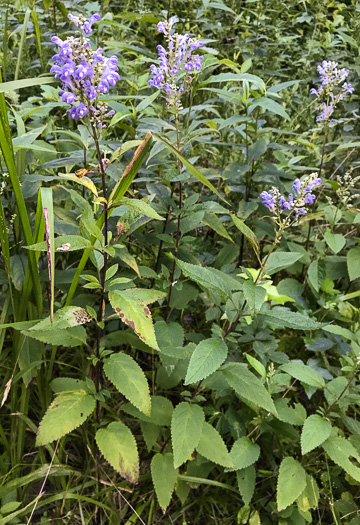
(180, 262)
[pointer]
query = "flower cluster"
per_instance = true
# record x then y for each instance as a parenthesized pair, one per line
(333, 89)
(85, 74)
(177, 64)
(296, 202)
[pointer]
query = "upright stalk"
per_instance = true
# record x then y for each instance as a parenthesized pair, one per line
(178, 235)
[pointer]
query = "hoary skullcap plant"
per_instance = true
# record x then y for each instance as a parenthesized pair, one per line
(179, 225)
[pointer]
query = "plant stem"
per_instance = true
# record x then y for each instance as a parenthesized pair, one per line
(178, 235)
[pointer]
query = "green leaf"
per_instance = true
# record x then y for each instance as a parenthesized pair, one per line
(65, 384)
(133, 312)
(353, 263)
(61, 244)
(194, 171)
(93, 230)
(25, 83)
(255, 295)
(279, 260)
(84, 181)
(129, 379)
(267, 104)
(161, 411)
(304, 373)
(245, 230)
(207, 357)
(70, 337)
(210, 278)
(283, 318)
(140, 206)
(211, 220)
(164, 477)
(66, 317)
(212, 446)
(335, 241)
(118, 446)
(246, 483)
(291, 482)
(315, 431)
(244, 453)
(147, 101)
(68, 411)
(309, 498)
(248, 386)
(295, 415)
(340, 450)
(236, 77)
(169, 335)
(186, 429)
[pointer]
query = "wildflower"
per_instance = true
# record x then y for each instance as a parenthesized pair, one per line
(177, 64)
(296, 203)
(333, 89)
(85, 74)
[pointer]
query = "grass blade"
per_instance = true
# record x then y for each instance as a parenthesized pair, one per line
(22, 40)
(48, 211)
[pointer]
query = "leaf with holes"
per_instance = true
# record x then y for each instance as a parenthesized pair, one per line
(186, 428)
(68, 411)
(130, 380)
(133, 312)
(118, 446)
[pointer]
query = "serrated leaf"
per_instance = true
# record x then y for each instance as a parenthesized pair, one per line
(246, 483)
(315, 431)
(254, 295)
(309, 498)
(353, 263)
(118, 446)
(169, 335)
(283, 318)
(210, 278)
(212, 446)
(304, 373)
(61, 244)
(279, 260)
(164, 477)
(291, 482)
(340, 450)
(69, 337)
(68, 411)
(249, 234)
(211, 220)
(335, 241)
(244, 453)
(206, 358)
(64, 384)
(161, 411)
(295, 415)
(133, 312)
(127, 376)
(186, 429)
(141, 206)
(66, 317)
(248, 386)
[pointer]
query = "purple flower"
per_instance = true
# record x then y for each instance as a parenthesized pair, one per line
(269, 199)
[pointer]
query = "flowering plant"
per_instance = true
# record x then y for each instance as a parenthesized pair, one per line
(85, 74)
(177, 64)
(333, 89)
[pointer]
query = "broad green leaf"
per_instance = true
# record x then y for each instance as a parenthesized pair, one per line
(141, 206)
(283, 318)
(335, 241)
(246, 483)
(129, 379)
(291, 482)
(151, 433)
(295, 415)
(147, 101)
(161, 411)
(309, 498)
(255, 295)
(210, 278)
(267, 104)
(68, 411)
(207, 357)
(194, 171)
(186, 429)
(93, 230)
(248, 386)
(279, 260)
(84, 181)
(244, 453)
(145, 295)
(245, 230)
(118, 446)
(64, 384)
(212, 446)
(305, 374)
(169, 335)
(164, 477)
(64, 243)
(340, 450)
(74, 336)
(353, 263)
(211, 220)
(236, 77)
(315, 431)
(135, 314)
(66, 317)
